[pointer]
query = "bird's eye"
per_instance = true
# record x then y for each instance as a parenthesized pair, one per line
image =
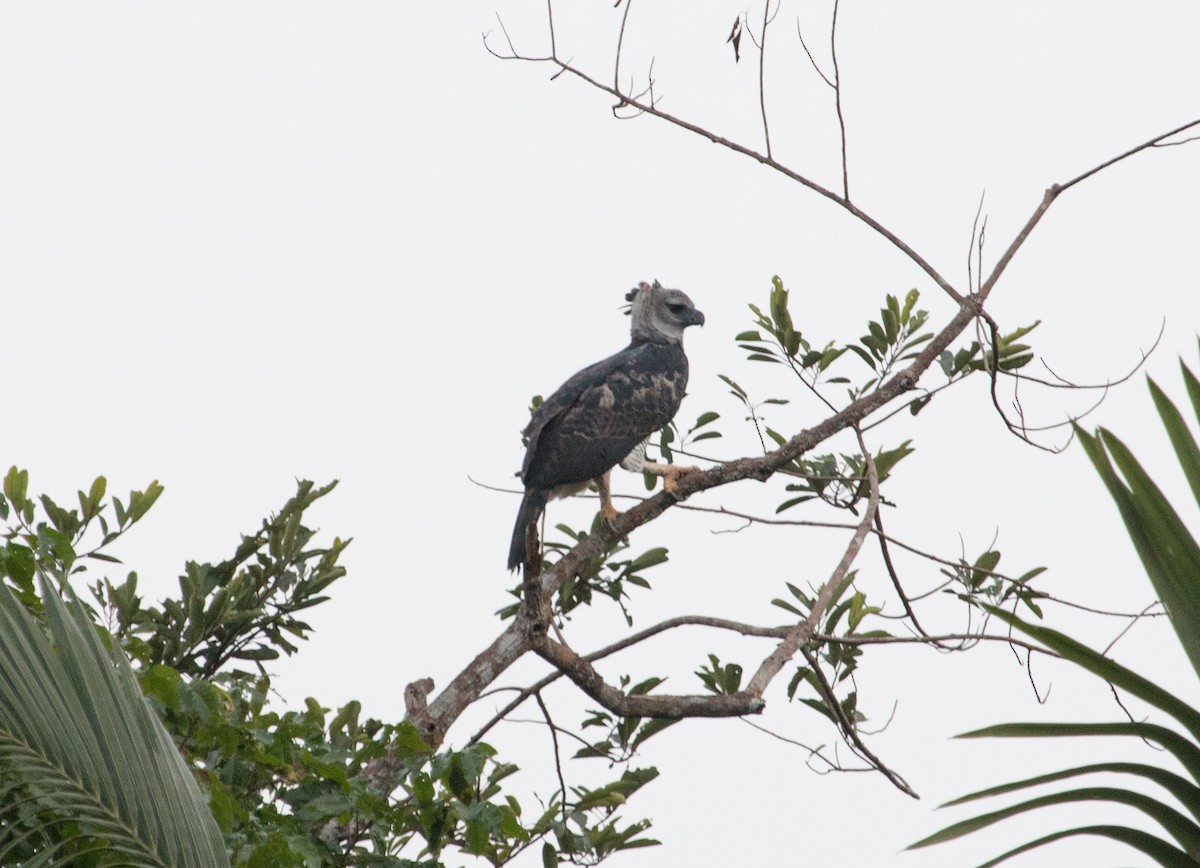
(675, 307)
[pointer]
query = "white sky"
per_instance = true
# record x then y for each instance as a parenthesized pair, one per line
(243, 243)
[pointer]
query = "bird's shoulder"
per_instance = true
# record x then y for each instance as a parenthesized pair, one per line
(617, 366)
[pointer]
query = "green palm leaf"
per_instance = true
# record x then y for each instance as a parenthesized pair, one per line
(1181, 788)
(1110, 670)
(1167, 550)
(1182, 829)
(84, 760)
(1171, 557)
(1160, 851)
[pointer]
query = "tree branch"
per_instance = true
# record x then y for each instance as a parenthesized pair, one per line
(800, 635)
(590, 682)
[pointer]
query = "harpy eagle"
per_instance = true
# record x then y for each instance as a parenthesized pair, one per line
(604, 414)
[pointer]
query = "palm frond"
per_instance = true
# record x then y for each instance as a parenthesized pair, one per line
(85, 761)
(1170, 555)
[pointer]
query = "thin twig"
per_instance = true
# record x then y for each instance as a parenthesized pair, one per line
(1128, 627)
(971, 246)
(811, 60)
(620, 43)
(562, 784)
(849, 730)
(891, 571)
(837, 97)
(762, 65)
(1152, 143)
(813, 752)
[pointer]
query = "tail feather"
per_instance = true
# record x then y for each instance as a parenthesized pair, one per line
(532, 505)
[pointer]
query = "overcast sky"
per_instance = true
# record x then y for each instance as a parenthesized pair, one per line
(245, 243)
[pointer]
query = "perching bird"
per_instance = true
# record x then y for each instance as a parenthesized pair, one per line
(604, 414)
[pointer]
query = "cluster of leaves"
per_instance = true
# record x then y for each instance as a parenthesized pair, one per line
(840, 480)
(722, 679)
(55, 544)
(894, 338)
(842, 659)
(600, 575)
(243, 608)
(1010, 355)
(1170, 555)
(282, 788)
(623, 735)
(980, 583)
(587, 828)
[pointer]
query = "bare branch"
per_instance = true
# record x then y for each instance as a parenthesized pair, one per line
(891, 571)
(813, 752)
(971, 246)
(800, 635)
(620, 43)
(562, 784)
(879, 228)
(1142, 614)
(762, 65)
(1173, 144)
(1152, 143)
(811, 60)
(837, 96)
(849, 730)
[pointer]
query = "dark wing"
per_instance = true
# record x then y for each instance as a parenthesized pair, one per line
(599, 415)
(564, 397)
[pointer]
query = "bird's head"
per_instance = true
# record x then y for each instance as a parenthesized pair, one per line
(660, 313)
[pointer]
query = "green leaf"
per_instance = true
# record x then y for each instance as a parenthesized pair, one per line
(649, 558)
(1116, 674)
(1182, 748)
(1169, 553)
(788, 504)
(456, 780)
(1164, 853)
(1181, 788)
(549, 856)
(140, 502)
(738, 390)
(862, 354)
(1181, 437)
(1179, 826)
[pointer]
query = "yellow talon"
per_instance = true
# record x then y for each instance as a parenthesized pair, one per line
(672, 473)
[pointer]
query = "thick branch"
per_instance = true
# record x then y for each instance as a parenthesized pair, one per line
(468, 684)
(590, 682)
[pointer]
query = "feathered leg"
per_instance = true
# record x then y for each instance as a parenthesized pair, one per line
(606, 505)
(532, 505)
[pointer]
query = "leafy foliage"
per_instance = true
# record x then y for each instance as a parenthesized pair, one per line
(600, 576)
(281, 788)
(88, 775)
(1170, 555)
